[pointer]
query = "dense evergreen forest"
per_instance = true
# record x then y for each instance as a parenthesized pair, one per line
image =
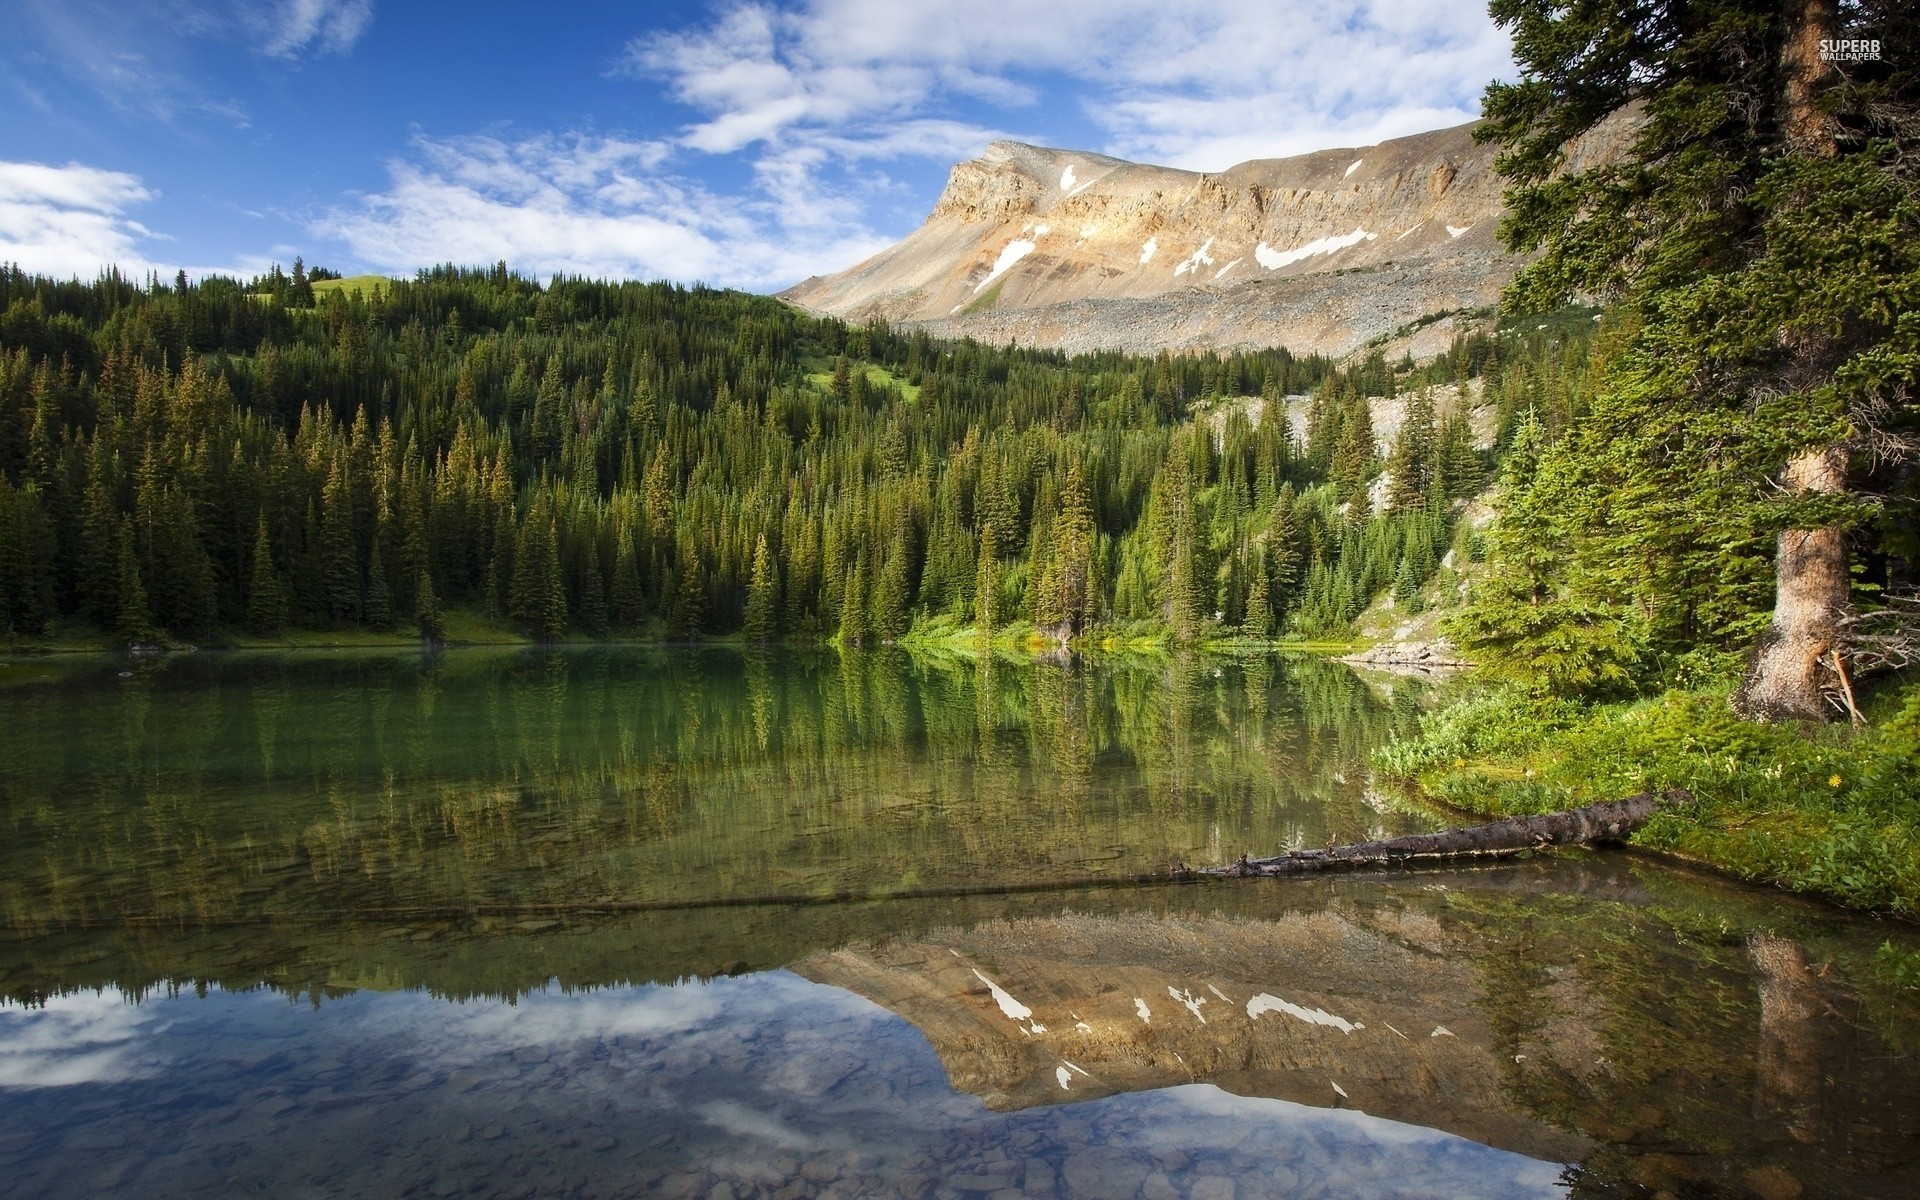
(185, 461)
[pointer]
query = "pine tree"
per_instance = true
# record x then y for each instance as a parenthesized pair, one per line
(659, 499)
(986, 584)
(1754, 168)
(1410, 466)
(888, 610)
(763, 597)
(593, 595)
(1072, 560)
(426, 611)
(1258, 622)
(687, 614)
(300, 294)
(266, 597)
(379, 608)
(1179, 599)
(339, 557)
(539, 600)
(1353, 457)
(855, 628)
(1460, 464)
(133, 621)
(98, 580)
(629, 604)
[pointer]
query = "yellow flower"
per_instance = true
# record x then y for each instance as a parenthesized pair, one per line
(1834, 782)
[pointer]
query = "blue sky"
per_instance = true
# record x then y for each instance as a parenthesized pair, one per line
(742, 144)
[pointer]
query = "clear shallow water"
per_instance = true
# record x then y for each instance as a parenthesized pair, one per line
(360, 926)
(322, 786)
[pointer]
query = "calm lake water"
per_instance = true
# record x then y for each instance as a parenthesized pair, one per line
(623, 922)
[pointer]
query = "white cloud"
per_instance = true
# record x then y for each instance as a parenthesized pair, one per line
(75, 220)
(593, 205)
(70, 220)
(322, 26)
(86, 1037)
(816, 95)
(1199, 83)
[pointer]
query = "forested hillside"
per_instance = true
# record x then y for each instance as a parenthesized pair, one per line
(642, 460)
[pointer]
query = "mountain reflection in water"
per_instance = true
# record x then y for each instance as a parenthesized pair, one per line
(1656, 1031)
(392, 927)
(757, 1082)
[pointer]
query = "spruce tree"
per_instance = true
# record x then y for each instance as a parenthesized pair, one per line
(426, 611)
(339, 557)
(1757, 230)
(1410, 466)
(133, 620)
(986, 584)
(687, 615)
(593, 595)
(538, 603)
(628, 602)
(266, 597)
(379, 607)
(1258, 622)
(1072, 558)
(763, 597)
(300, 293)
(855, 626)
(888, 610)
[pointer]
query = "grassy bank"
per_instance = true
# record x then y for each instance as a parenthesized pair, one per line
(1832, 811)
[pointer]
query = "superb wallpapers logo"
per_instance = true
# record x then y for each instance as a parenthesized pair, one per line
(1849, 49)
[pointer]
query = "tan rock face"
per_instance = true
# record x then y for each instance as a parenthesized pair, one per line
(1322, 251)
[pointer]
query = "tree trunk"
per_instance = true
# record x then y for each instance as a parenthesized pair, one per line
(1806, 127)
(1611, 821)
(1787, 672)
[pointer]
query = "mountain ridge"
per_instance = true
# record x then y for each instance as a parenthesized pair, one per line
(1321, 251)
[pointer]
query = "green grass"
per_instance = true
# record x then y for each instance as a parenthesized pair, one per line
(985, 302)
(823, 379)
(353, 285)
(1830, 811)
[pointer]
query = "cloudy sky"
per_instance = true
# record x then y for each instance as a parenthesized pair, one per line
(744, 144)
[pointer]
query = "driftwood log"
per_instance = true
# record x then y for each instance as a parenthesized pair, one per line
(1611, 821)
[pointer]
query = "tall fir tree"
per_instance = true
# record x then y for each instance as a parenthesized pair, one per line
(266, 596)
(763, 597)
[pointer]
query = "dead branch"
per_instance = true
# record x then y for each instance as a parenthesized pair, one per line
(1610, 821)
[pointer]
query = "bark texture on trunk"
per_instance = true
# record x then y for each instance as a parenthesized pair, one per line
(1808, 128)
(1788, 673)
(1611, 821)
(1789, 670)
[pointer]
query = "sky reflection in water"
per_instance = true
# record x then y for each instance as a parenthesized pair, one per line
(755, 1080)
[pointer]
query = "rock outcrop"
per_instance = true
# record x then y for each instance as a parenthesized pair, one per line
(1322, 251)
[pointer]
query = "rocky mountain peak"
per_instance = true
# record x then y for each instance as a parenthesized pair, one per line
(1320, 251)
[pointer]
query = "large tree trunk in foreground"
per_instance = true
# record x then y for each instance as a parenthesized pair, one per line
(1788, 672)
(1806, 126)
(1611, 821)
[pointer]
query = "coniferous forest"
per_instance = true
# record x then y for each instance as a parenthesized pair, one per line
(187, 461)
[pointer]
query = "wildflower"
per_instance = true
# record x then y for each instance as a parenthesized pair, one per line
(1834, 782)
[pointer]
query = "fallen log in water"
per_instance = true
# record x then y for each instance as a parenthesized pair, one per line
(1611, 821)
